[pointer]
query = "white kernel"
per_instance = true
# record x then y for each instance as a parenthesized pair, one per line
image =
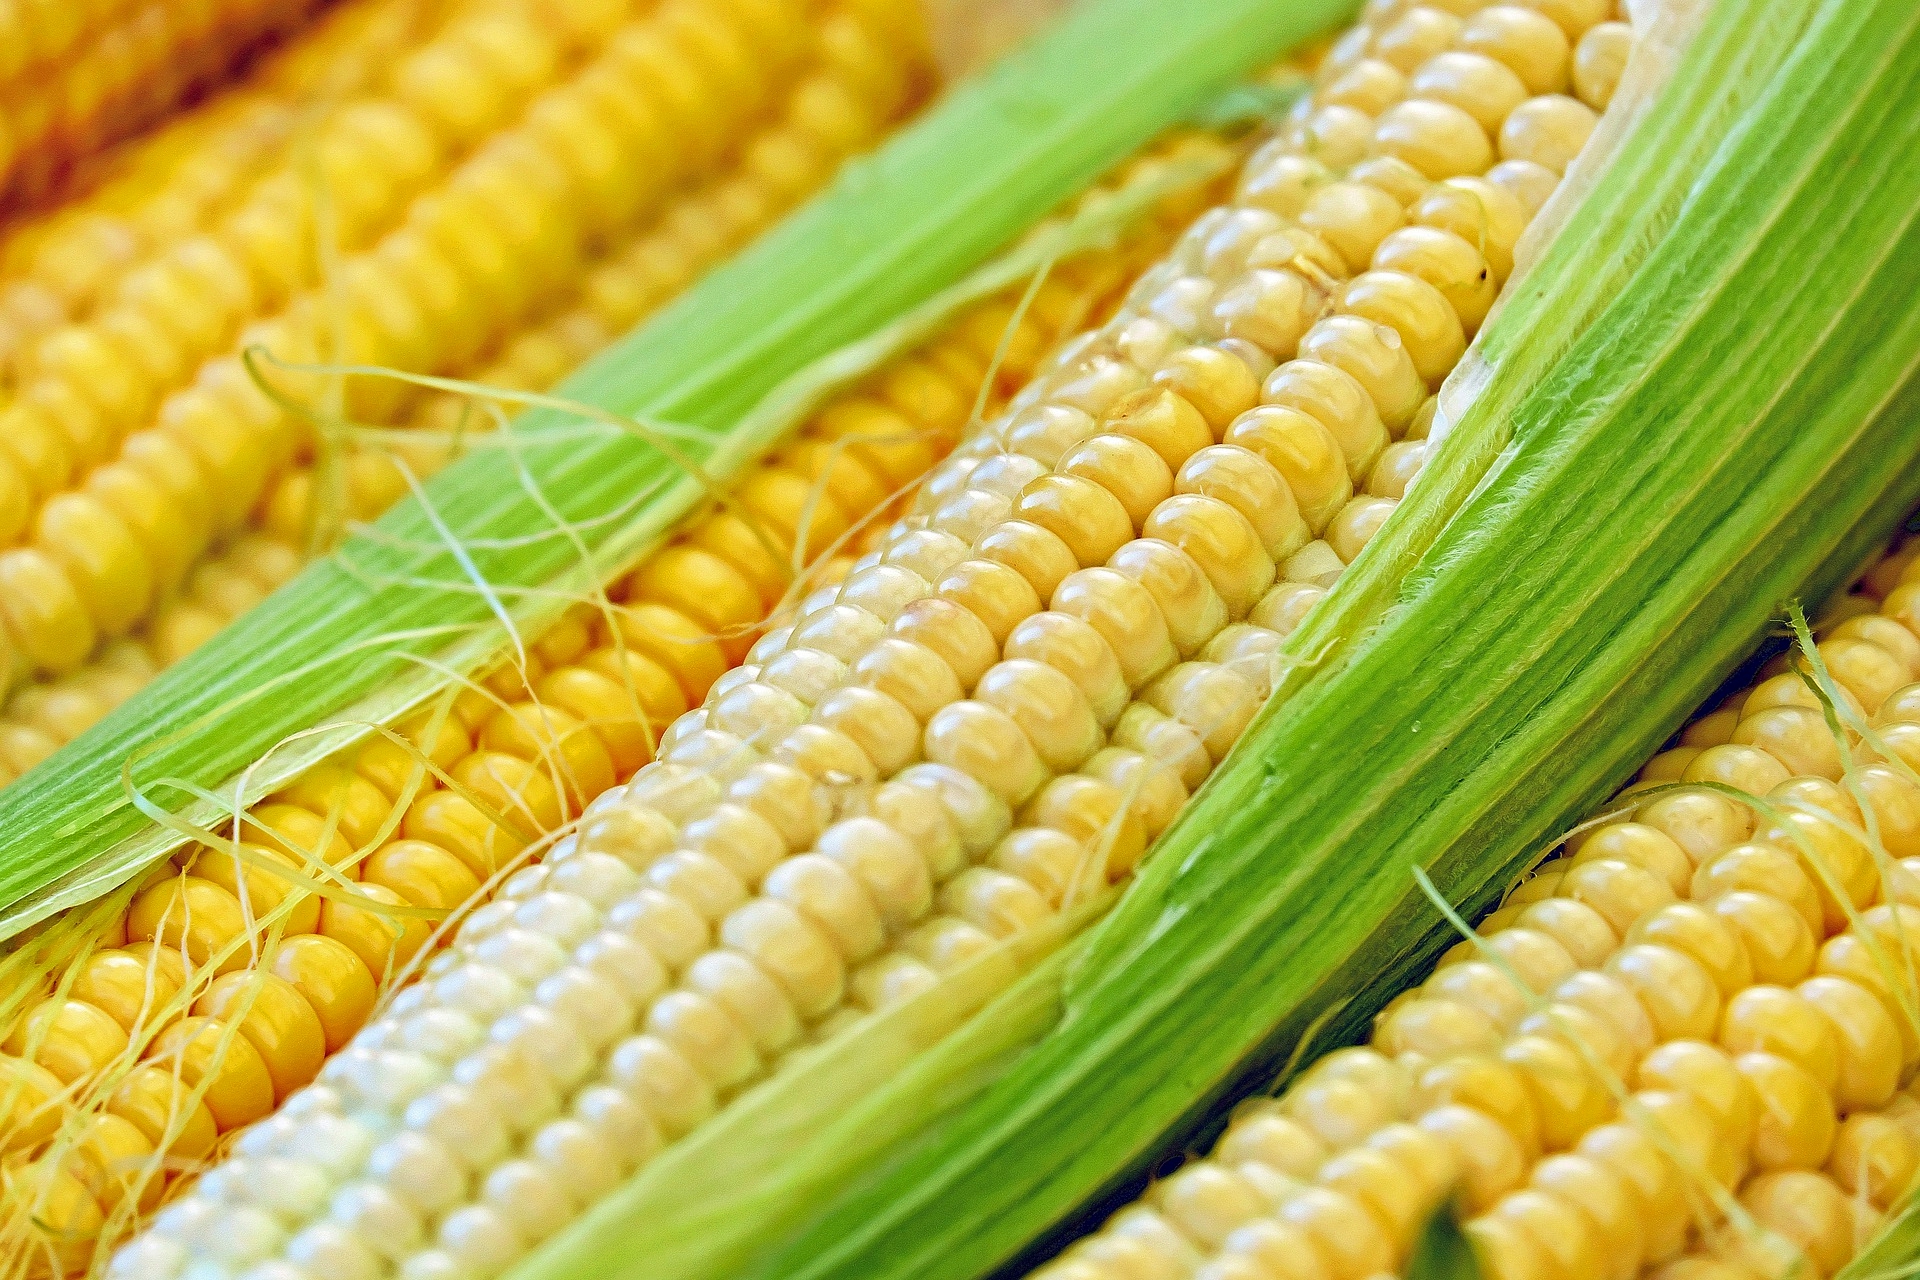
(458, 1121)
(547, 1039)
(149, 1257)
(441, 1034)
(484, 921)
(665, 925)
(274, 1135)
(523, 954)
(387, 1082)
(577, 1159)
(567, 919)
(598, 878)
(524, 883)
(518, 1089)
(420, 1171)
(677, 792)
(482, 992)
(528, 1198)
(326, 1249)
(885, 864)
(276, 1269)
(982, 817)
(633, 968)
(596, 1009)
(745, 991)
(630, 1135)
(662, 1082)
(245, 1235)
(480, 1240)
(313, 1099)
(378, 1216)
(292, 1188)
(357, 1135)
(433, 1264)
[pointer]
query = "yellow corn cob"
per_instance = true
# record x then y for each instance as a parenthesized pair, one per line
(1002, 703)
(189, 174)
(501, 213)
(45, 715)
(524, 752)
(1741, 977)
(74, 77)
(86, 384)
(869, 73)
(866, 74)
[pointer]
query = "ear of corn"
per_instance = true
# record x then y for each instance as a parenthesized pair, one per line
(1679, 1045)
(1551, 583)
(793, 293)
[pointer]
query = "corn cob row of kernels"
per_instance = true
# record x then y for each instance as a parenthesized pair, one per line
(75, 80)
(506, 222)
(1700, 1000)
(869, 70)
(87, 390)
(130, 335)
(788, 819)
(572, 718)
(191, 172)
(45, 715)
(867, 73)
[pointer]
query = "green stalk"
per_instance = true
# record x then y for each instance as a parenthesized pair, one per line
(894, 230)
(1732, 419)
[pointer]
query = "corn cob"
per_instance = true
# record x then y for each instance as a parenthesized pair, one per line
(416, 296)
(188, 175)
(869, 75)
(583, 714)
(1699, 999)
(73, 78)
(792, 820)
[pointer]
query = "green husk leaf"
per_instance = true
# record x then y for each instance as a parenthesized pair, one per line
(1725, 414)
(349, 639)
(1894, 1253)
(1443, 1252)
(1253, 103)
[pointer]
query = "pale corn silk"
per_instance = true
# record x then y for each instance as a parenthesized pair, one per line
(840, 823)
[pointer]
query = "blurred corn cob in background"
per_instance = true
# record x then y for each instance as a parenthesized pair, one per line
(181, 962)
(178, 527)
(77, 76)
